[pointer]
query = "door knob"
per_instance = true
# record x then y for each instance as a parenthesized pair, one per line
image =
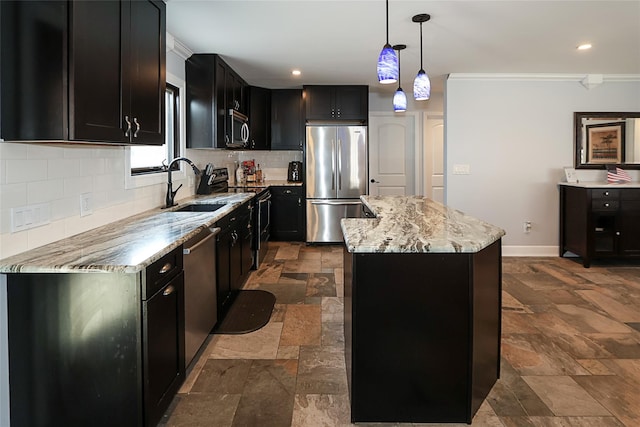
(374, 181)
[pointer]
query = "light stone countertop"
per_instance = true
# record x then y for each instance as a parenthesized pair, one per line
(415, 224)
(600, 184)
(125, 246)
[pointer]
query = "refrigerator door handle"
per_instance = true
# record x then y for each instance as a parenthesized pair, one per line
(335, 202)
(333, 164)
(339, 164)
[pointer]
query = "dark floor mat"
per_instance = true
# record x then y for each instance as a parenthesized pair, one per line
(250, 310)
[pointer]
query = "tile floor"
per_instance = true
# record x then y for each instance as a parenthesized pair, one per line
(570, 348)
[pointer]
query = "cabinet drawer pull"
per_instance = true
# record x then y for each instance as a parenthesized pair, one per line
(617, 233)
(168, 266)
(606, 205)
(287, 192)
(606, 193)
(168, 291)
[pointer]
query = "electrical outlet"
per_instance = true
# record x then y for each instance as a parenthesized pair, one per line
(86, 204)
(527, 226)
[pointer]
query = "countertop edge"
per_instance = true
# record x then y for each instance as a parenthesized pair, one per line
(400, 226)
(43, 259)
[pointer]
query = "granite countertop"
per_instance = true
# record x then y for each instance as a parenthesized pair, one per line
(125, 246)
(600, 184)
(415, 224)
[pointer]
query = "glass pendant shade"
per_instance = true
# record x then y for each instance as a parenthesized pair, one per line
(387, 65)
(421, 86)
(399, 101)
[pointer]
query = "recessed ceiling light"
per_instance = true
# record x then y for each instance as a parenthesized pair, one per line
(584, 46)
(296, 72)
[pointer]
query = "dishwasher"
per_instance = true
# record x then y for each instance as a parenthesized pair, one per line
(200, 301)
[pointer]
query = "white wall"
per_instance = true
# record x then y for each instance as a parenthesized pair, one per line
(516, 134)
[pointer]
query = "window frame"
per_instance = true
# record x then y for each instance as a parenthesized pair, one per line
(175, 107)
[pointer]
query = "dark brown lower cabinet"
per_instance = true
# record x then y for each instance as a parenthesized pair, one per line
(234, 255)
(599, 222)
(287, 213)
(422, 334)
(96, 349)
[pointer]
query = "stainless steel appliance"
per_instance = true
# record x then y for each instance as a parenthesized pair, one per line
(294, 174)
(336, 177)
(239, 127)
(200, 300)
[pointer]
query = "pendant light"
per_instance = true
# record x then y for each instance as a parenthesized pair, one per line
(421, 84)
(387, 61)
(399, 98)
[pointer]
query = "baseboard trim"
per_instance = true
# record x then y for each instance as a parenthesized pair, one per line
(530, 251)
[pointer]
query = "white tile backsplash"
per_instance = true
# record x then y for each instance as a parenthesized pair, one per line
(63, 168)
(26, 170)
(59, 173)
(44, 191)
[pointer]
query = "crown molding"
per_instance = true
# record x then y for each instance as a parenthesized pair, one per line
(590, 79)
(176, 46)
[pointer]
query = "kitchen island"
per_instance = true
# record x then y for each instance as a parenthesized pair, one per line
(422, 311)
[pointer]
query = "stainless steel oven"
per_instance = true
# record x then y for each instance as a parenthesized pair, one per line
(262, 214)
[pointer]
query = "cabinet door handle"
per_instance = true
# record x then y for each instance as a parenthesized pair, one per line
(617, 233)
(606, 205)
(135, 120)
(165, 268)
(169, 290)
(128, 131)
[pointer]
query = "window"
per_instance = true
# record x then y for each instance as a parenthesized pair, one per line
(153, 159)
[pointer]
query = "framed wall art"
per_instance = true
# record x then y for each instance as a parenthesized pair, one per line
(605, 143)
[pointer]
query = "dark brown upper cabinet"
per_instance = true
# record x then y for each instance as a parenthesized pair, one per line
(213, 88)
(337, 103)
(287, 119)
(259, 109)
(83, 71)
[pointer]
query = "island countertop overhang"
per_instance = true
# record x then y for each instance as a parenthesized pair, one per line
(416, 224)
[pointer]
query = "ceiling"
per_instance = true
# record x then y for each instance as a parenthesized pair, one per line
(338, 42)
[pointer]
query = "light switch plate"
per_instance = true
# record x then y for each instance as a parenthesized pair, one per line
(461, 169)
(31, 216)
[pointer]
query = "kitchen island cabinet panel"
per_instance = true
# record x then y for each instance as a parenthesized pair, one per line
(422, 334)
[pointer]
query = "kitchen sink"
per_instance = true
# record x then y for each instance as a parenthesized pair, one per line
(201, 207)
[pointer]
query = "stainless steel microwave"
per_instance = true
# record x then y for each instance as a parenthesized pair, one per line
(238, 136)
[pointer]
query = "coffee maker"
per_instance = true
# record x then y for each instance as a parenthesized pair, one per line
(295, 172)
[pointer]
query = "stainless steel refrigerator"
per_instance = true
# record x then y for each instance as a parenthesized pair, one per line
(336, 176)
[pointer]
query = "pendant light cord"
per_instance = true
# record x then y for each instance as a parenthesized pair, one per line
(399, 86)
(421, 67)
(387, 21)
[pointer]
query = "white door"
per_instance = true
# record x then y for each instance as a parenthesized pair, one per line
(434, 158)
(392, 155)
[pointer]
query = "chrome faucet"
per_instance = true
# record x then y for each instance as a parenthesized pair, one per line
(170, 193)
